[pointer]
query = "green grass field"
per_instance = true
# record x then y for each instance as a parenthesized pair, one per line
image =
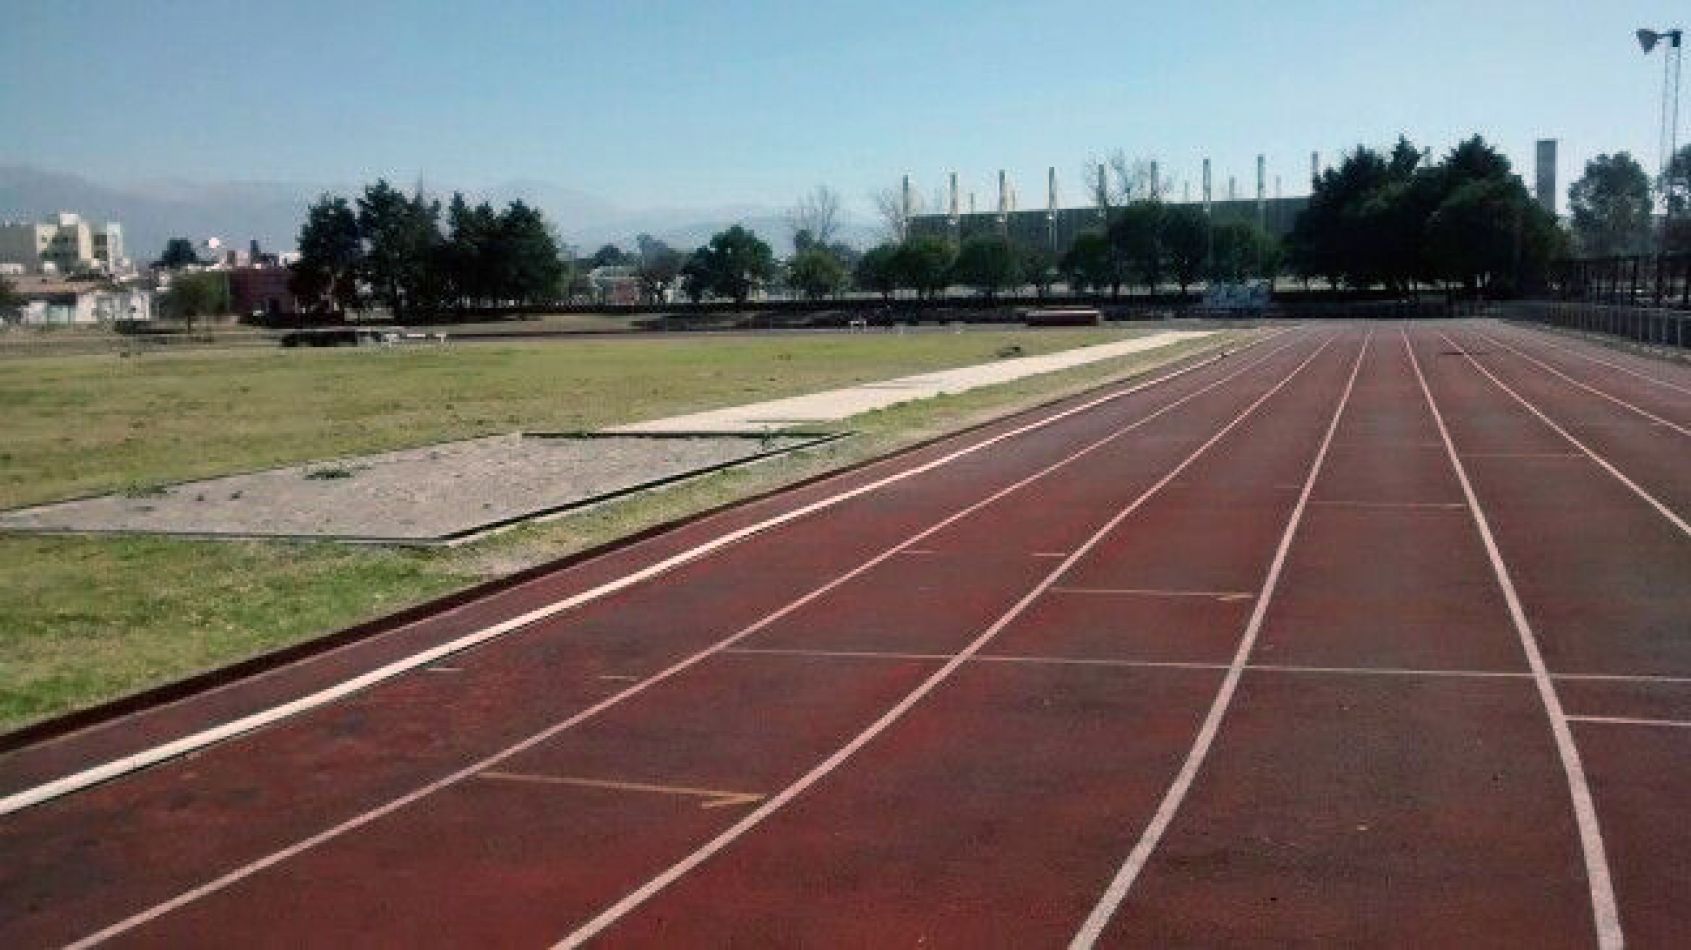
(86, 619)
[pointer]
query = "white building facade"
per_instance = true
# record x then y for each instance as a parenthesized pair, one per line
(66, 245)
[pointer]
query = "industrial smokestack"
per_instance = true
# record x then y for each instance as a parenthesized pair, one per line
(1156, 186)
(904, 209)
(1051, 208)
(1103, 194)
(1262, 192)
(1003, 200)
(1232, 188)
(953, 197)
(1544, 175)
(1314, 168)
(1206, 187)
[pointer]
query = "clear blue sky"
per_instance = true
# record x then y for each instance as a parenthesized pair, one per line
(650, 104)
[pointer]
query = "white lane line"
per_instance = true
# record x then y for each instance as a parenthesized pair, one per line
(1522, 455)
(835, 654)
(1604, 911)
(674, 872)
(1224, 595)
(1658, 420)
(713, 797)
(1350, 503)
(1093, 927)
(1049, 554)
(1613, 365)
(1628, 721)
(235, 727)
(1146, 664)
(1664, 510)
(1199, 665)
(358, 821)
(1623, 677)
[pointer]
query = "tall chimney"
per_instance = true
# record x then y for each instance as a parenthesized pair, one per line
(1103, 194)
(1156, 186)
(1051, 208)
(1262, 192)
(1003, 199)
(904, 209)
(1232, 188)
(1206, 187)
(953, 198)
(1314, 168)
(1544, 174)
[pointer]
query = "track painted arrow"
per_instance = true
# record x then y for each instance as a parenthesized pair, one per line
(714, 798)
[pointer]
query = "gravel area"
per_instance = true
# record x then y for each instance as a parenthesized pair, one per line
(424, 494)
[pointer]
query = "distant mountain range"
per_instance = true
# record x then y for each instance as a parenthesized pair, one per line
(152, 212)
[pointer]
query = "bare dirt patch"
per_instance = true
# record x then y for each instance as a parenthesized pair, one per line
(421, 495)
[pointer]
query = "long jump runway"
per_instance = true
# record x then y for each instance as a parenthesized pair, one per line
(1366, 634)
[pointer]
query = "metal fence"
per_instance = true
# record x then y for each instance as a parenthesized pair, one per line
(1657, 281)
(1659, 326)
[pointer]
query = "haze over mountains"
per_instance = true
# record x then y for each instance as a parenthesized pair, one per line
(154, 211)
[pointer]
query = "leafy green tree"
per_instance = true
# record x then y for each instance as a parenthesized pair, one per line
(1490, 230)
(1136, 234)
(816, 273)
(987, 263)
(192, 296)
(1186, 237)
(1610, 206)
(1090, 263)
(877, 270)
(1244, 250)
(530, 268)
(924, 265)
(609, 256)
(1037, 266)
(178, 253)
(9, 299)
(472, 253)
(331, 250)
(659, 267)
(734, 263)
(401, 238)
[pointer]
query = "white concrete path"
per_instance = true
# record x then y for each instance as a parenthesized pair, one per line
(837, 404)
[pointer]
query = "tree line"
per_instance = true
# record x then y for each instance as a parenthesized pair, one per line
(396, 250)
(1392, 218)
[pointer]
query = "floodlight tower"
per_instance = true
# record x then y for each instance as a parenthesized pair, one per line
(1669, 141)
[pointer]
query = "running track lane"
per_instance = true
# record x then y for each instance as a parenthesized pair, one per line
(986, 814)
(1387, 774)
(198, 818)
(1602, 575)
(458, 847)
(1651, 447)
(40, 762)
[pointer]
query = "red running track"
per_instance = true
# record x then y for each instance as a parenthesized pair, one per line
(1369, 634)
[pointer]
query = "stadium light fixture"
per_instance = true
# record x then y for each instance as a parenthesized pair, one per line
(1669, 139)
